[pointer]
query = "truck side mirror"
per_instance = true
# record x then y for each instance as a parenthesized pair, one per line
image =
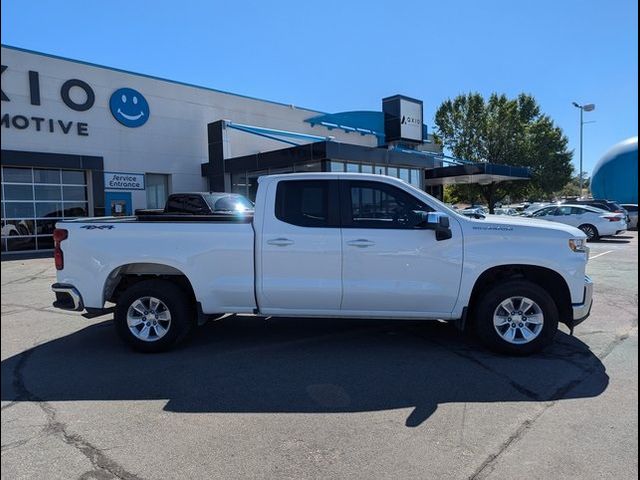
(440, 223)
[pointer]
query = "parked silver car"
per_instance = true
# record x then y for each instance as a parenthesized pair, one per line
(505, 211)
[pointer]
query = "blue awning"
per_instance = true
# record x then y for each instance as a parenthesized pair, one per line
(364, 122)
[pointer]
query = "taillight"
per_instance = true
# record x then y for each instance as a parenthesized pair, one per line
(612, 218)
(59, 234)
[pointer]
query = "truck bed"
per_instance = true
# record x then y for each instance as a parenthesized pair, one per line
(215, 252)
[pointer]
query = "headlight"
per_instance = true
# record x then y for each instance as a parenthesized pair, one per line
(578, 245)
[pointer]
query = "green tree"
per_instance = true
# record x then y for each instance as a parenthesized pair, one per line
(507, 132)
(572, 188)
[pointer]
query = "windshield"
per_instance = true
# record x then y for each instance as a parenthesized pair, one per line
(229, 203)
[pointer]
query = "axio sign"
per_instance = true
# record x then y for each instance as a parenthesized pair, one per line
(128, 106)
(410, 120)
(402, 119)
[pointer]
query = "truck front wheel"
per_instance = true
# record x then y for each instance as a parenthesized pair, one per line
(516, 317)
(153, 315)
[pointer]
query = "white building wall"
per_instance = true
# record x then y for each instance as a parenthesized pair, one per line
(173, 140)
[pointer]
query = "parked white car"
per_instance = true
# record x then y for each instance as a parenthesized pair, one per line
(594, 222)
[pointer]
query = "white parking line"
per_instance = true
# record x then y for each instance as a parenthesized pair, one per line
(600, 254)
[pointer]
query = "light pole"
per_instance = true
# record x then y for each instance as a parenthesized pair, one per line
(589, 107)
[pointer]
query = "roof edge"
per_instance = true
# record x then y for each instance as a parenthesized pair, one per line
(153, 77)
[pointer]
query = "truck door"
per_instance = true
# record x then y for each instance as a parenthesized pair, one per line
(300, 249)
(389, 265)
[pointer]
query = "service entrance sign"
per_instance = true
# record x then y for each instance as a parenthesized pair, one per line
(123, 181)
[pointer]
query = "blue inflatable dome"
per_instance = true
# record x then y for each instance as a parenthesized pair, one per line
(615, 176)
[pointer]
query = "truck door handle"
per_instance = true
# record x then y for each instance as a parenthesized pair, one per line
(361, 243)
(280, 242)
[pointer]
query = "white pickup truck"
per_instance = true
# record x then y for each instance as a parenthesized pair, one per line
(327, 245)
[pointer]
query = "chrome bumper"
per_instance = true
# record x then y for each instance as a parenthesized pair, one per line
(582, 310)
(67, 297)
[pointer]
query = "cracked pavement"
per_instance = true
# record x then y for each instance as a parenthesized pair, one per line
(299, 398)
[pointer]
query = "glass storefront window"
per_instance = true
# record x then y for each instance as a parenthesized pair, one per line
(18, 209)
(239, 183)
(34, 199)
(48, 209)
(403, 174)
(75, 209)
(44, 227)
(19, 192)
(46, 176)
(157, 186)
(392, 171)
(353, 167)
(366, 168)
(19, 228)
(308, 167)
(74, 193)
(337, 166)
(416, 177)
(48, 192)
(21, 244)
(17, 175)
(252, 183)
(73, 177)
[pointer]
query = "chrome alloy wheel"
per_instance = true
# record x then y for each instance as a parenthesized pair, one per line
(589, 231)
(518, 320)
(148, 319)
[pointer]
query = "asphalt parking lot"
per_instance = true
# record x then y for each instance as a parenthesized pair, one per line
(293, 398)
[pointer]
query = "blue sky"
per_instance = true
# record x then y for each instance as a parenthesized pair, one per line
(336, 55)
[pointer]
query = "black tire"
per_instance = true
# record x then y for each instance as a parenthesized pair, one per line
(178, 304)
(489, 303)
(590, 231)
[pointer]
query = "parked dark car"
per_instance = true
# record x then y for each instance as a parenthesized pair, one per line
(202, 203)
(632, 208)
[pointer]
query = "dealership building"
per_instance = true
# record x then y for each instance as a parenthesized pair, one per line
(80, 139)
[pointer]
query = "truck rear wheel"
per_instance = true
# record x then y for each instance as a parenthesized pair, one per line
(516, 317)
(152, 315)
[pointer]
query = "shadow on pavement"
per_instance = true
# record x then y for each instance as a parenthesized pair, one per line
(616, 240)
(245, 364)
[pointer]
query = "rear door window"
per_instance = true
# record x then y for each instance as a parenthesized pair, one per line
(307, 203)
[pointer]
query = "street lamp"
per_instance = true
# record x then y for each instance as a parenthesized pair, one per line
(589, 107)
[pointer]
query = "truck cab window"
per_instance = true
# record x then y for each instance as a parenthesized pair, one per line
(175, 204)
(379, 205)
(195, 204)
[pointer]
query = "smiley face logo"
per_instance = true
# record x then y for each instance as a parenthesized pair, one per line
(129, 107)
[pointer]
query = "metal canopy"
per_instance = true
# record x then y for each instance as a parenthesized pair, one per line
(481, 173)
